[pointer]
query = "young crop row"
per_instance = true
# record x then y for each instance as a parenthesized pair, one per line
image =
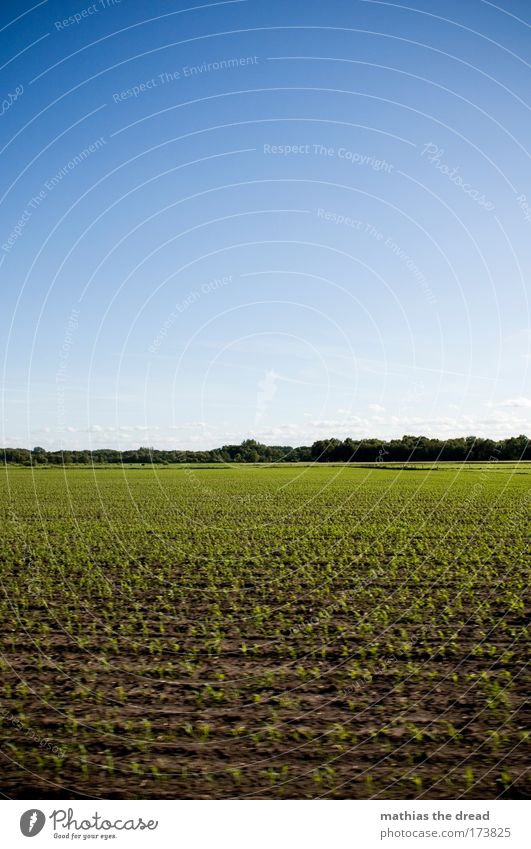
(299, 632)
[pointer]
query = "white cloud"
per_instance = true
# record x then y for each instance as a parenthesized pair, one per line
(516, 402)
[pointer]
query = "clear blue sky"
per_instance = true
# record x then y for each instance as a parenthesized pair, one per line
(284, 220)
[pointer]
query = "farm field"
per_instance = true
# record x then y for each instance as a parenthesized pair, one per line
(264, 632)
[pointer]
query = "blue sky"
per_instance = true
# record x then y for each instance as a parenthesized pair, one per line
(278, 220)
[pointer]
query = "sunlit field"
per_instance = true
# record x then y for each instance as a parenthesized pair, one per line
(264, 632)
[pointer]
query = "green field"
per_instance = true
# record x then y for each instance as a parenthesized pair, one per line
(264, 632)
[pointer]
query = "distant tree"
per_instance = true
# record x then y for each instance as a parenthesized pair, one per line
(39, 455)
(406, 449)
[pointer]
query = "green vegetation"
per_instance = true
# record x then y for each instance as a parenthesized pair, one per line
(289, 631)
(405, 450)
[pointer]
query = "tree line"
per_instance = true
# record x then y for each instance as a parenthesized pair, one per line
(405, 450)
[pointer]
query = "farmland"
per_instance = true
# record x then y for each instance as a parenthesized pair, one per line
(264, 632)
